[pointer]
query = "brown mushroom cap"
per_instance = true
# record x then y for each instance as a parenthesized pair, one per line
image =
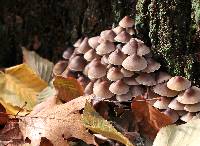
(119, 87)
(90, 55)
(108, 35)
(126, 22)
(124, 97)
(172, 114)
(162, 90)
(127, 73)
(162, 103)
(77, 63)
(178, 83)
(131, 47)
(137, 91)
(162, 77)
(190, 96)
(134, 63)
(175, 105)
(192, 107)
(78, 42)
(96, 70)
(68, 53)
(105, 47)
(187, 117)
(152, 65)
(146, 79)
(118, 29)
(89, 88)
(93, 41)
(123, 37)
(59, 67)
(102, 90)
(116, 57)
(130, 81)
(142, 49)
(84, 46)
(114, 74)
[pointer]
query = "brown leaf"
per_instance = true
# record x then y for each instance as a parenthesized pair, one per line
(150, 120)
(58, 123)
(68, 88)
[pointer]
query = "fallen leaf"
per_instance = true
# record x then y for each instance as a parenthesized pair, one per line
(183, 135)
(58, 123)
(93, 121)
(41, 66)
(20, 85)
(149, 119)
(68, 88)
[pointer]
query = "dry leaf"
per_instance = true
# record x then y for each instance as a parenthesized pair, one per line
(57, 123)
(93, 121)
(150, 120)
(183, 135)
(41, 66)
(68, 88)
(20, 85)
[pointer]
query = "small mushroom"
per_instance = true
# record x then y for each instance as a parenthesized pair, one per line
(162, 103)
(172, 114)
(162, 77)
(187, 117)
(78, 42)
(93, 41)
(84, 46)
(89, 88)
(114, 74)
(104, 59)
(105, 47)
(192, 107)
(131, 47)
(123, 37)
(90, 55)
(152, 65)
(59, 67)
(119, 87)
(163, 90)
(68, 53)
(126, 73)
(146, 79)
(178, 83)
(108, 35)
(124, 97)
(190, 96)
(116, 57)
(77, 63)
(175, 105)
(137, 91)
(83, 80)
(118, 29)
(126, 22)
(142, 49)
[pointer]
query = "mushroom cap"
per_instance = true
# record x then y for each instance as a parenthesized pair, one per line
(119, 87)
(89, 88)
(192, 107)
(59, 67)
(131, 30)
(123, 37)
(142, 49)
(116, 57)
(178, 83)
(124, 97)
(83, 80)
(146, 79)
(152, 65)
(77, 63)
(130, 81)
(85, 70)
(175, 105)
(131, 47)
(104, 59)
(162, 77)
(134, 63)
(118, 29)
(68, 53)
(105, 47)
(172, 114)
(114, 74)
(102, 90)
(162, 103)
(84, 46)
(96, 70)
(90, 55)
(78, 42)
(190, 96)
(126, 22)
(68, 73)
(108, 35)
(127, 73)
(162, 90)
(187, 117)
(93, 41)
(137, 91)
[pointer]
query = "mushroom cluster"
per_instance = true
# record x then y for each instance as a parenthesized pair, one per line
(117, 66)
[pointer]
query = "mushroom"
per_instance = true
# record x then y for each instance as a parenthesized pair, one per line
(84, 46)
(172, 114)
(59, 67)
(104, 59)
(78, 42)
(131, 30)
(93, 41)
(126, 22)
(130, 81)
(77, 63)
(124, 97)
(123, 37)
(114, 74)
(68, 53)
(162, 103)
(175, 105)
(102, 90)
(146, 79)
(131, 47)
(142, 49)
(178, 83)
(126, 73)
(162, 77)
(118, 29)
(83, 80)
(152, 65)
(119, 87)
(89, 88)
(116, 57)
(162, 90)
(90, 55)
(134, 63)
(105, 47)
(137, 91)
(108, 35)
(187, 117)
(190, 96)
(192, 107)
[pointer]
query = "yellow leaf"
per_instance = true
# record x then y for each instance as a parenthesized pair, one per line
(68, 88)
(93, 121)
(20, 85)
